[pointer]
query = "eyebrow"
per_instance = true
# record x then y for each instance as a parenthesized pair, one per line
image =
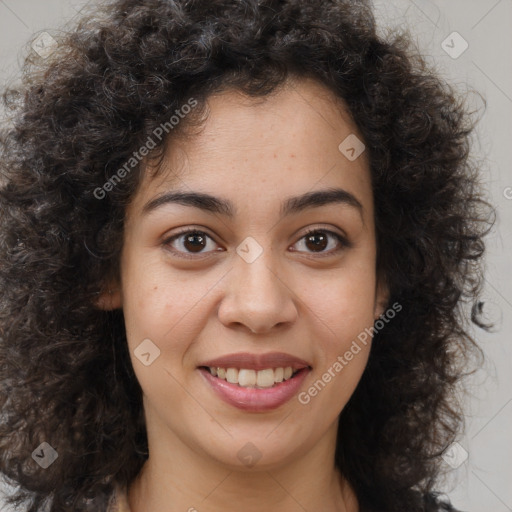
(291, 205)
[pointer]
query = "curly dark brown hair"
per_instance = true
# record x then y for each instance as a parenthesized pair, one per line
(65, 372)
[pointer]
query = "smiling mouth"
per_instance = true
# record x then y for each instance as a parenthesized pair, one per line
(257, 379)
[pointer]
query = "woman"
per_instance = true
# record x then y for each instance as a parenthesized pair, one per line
(237, 238)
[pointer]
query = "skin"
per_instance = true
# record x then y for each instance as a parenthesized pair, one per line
(311, 303)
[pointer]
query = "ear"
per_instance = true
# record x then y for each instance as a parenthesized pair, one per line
(109, 298)
(381, 297)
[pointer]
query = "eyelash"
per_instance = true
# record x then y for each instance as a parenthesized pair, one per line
(343, 242)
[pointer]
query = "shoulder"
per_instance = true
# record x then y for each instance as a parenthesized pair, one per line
(436, 502)
(119, 500)
(432, 502)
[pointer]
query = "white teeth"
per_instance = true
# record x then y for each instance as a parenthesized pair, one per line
(265, 378)
(232, 375)
(248, 378)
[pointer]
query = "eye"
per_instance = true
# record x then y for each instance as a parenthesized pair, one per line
(319, 239)
(188, 242)
(193, 241)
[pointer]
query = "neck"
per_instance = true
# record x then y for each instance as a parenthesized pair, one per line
(269, 491)
(188, 481)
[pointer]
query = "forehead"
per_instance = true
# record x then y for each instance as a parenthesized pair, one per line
(286, 143)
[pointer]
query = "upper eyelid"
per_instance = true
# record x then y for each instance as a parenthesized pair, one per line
(201, 229)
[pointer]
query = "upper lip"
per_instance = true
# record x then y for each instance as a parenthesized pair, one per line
(257, 361)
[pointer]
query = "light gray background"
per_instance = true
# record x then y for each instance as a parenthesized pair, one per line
(482, 482)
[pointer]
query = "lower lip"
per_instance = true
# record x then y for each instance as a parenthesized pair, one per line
(256, 399)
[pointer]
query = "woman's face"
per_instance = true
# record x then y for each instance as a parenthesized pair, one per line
(250, 283)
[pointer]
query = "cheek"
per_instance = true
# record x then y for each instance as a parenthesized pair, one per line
(343, 315)
(343, 303)
(161, 304)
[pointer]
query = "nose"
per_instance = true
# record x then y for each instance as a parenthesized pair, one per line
(257, 296)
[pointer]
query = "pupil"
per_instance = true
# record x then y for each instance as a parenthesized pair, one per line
(317, 245)
(191, 237)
